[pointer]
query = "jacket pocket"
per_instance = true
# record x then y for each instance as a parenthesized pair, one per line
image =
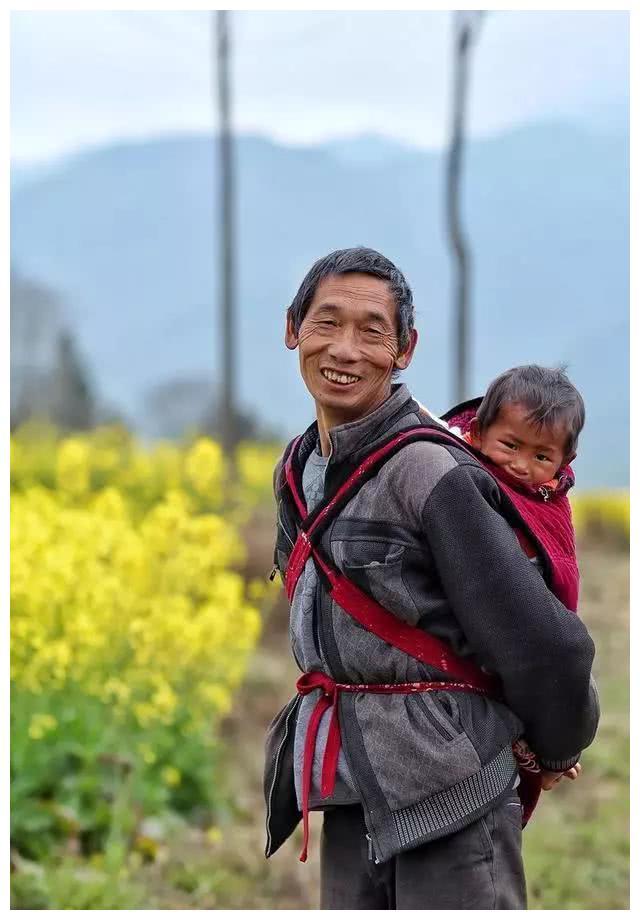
(412, 755)
(376, 568)
(435, 706)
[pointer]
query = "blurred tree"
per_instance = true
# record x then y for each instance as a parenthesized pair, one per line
(34, 325)
(185, 405)
(245, 425)
(47, 376)
(176, 405)
(466, 27)
(73, 402)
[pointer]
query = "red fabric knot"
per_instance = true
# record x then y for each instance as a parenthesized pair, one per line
(307, 683)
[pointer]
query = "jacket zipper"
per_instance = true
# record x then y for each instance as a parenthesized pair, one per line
(315, 626)
(370, 848)
(281, 522)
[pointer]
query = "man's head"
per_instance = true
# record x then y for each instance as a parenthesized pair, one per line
(353, 314)
(529, 421)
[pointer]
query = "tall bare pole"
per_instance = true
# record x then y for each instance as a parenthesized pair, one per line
(226, 235)
(466, 25)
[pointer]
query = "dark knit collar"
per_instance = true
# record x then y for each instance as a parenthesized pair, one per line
(351, 437)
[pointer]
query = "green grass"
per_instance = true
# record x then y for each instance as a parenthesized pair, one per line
(576, 848)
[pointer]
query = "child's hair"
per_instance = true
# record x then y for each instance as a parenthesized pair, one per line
(548, 394)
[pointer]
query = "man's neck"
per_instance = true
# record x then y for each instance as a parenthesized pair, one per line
(329, 418)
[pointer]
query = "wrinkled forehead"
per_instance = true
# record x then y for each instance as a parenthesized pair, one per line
(355, 291)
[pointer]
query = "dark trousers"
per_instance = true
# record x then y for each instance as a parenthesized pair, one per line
(476, 868)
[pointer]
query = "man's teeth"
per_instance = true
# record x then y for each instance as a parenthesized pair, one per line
(339, 378)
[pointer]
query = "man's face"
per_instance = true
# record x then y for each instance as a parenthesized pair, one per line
(350, 328)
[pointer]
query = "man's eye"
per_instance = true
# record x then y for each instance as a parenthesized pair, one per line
(377, 331)
(328, 322)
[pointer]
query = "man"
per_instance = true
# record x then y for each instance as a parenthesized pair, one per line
(422, 810)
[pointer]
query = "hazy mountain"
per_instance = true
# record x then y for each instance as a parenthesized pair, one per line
(126, 234)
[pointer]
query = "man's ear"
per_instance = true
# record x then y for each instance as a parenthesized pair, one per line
(474, 431)
(404, 358)
(290, 335)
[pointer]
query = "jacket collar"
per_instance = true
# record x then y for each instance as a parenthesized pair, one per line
(348, 439)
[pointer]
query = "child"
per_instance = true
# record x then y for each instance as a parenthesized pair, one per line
(526, 428)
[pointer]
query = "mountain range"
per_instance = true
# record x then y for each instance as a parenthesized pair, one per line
(127, 235)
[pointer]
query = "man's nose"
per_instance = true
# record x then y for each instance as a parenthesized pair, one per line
(344, 346)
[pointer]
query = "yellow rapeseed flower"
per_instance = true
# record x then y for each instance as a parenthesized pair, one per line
(41, 724)
(171, 776)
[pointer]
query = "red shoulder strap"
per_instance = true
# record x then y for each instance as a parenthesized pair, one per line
(329, 508)
(359, 475)
(409, 639)
(364, 609)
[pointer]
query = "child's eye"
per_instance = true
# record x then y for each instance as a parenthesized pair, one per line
(542, 457)
(509, 444)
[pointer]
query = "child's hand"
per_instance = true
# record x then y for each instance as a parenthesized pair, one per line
(550, 778)
(574, 772)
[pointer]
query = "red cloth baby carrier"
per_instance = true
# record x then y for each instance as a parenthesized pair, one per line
(545, 512)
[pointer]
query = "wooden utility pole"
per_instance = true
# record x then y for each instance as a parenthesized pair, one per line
(226, 385)
(466, 25)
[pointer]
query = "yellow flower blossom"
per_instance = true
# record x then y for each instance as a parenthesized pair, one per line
(72, 470)
(171, 776)
(41, 724)
(205, 468)
(125, 581)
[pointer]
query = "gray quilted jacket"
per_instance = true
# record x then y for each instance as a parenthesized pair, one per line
(428, 539)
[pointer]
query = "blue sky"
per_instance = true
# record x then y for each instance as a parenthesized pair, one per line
(84, 78)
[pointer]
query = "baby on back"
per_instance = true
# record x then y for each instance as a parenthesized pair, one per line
(526, 431)
(528, 424)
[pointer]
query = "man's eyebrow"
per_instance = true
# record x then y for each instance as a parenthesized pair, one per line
(335, 308)
(375, 316)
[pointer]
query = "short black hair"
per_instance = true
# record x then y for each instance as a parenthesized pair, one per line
(547, 392)
(366, 262)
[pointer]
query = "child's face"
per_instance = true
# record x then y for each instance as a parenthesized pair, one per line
(531, 454)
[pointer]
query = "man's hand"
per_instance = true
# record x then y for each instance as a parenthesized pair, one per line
(550, 778)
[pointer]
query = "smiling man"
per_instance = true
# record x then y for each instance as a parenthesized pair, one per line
(407, 589)
(349, 346)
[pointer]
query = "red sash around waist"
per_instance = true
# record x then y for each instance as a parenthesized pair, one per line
(316, 680)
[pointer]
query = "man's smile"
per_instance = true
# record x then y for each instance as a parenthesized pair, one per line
(340, 379)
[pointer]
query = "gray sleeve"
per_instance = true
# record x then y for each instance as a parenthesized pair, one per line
(541, 651)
